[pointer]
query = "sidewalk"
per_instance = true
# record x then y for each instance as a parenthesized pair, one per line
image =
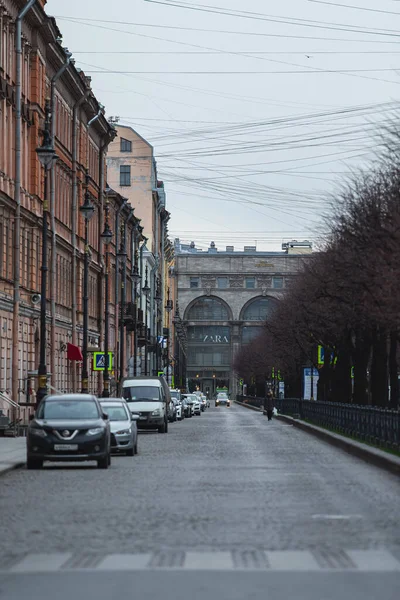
(12, 453)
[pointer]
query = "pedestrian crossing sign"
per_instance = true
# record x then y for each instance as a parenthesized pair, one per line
(99, 361)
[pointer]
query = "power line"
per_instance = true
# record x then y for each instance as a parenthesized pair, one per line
(219, 31)
(270, 18)
(297, 72)
(375, 10)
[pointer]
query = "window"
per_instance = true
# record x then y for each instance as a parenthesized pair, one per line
(259, 309)
(208, 309)
(125, 175)
(250, 283)
(222, 283)
(277, 282)
(194, 282)
(199, 356)
(249, 334)
(126, 145)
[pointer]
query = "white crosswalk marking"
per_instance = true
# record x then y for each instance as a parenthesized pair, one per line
(124, 562)
(44, 563)
(292, 560)
(374, 560)
(208, 561)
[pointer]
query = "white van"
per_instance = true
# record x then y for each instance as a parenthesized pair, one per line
(148, 397)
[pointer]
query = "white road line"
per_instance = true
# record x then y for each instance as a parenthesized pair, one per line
(292, 560)
(374, 560)
(208, 561)
(124, 562)
(34, 563)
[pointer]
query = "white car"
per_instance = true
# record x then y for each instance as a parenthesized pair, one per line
(196, 405)
(179, 413)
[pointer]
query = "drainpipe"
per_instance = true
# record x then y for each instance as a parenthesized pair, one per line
(17, 200)
(74, 212)
(153, 274)
(53, 264)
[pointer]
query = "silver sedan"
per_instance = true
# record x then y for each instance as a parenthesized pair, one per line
(124, 437)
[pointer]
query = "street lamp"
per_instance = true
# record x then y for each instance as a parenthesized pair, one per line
(122, 256)
(135, 275)
(146, 291)
(46, 154)
(158, 301)
(87, 211)
(168, 307)
(106, 238)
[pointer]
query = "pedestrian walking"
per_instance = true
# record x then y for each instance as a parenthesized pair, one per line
(269, 405)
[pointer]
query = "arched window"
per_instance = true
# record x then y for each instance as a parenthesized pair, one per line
(208, 309)
(259, 310)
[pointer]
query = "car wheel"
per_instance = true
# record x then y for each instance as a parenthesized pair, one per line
(130, 452)
(163, 428)
(34, 463)
(103, 463)
(136, 449)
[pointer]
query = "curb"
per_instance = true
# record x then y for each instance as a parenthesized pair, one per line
(373, 456)
(13, 467)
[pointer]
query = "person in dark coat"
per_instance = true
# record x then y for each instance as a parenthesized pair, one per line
(269, 405)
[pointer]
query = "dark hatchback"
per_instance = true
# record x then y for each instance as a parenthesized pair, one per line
(71, 427)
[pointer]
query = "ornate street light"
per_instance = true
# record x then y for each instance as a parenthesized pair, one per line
(87, 211)
(106, 238)
(47, 156)
(168, 307)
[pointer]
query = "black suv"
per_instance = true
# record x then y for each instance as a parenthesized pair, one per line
(70, 427)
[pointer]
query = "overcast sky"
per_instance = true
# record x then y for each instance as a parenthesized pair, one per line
(252, 124)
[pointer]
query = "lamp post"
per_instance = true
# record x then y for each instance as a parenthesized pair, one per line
(46, 154)
(87, 211)
(158, 301)
(168, 307)
(135, 279)
(106, 238)
(122, 261)
(146, 291)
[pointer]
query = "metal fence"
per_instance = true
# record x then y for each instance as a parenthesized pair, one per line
(370, 424)
(377, 426)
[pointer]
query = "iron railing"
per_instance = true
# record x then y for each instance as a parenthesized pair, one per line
(370, 424)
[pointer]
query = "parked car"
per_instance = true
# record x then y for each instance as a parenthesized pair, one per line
(195, 403)
(187, 407)
(148, 397)
(222, 399)
(177, 398)
(203, 403)
(69, 427)
(172, 411)
(190, 399)
(124, 437)
(179, 409)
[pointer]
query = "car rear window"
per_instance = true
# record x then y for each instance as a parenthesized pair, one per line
(116, 412)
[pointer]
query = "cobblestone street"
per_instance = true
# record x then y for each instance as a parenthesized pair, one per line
(224, 482)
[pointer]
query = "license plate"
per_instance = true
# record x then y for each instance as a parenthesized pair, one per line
(64, 447)
(142, 418)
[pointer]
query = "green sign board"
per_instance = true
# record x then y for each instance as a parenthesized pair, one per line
(99, 361)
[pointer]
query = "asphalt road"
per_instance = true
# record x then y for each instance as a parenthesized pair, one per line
(225, 505)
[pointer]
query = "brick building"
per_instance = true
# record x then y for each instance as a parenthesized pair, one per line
(81, 138)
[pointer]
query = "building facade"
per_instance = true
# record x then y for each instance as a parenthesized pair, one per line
(81, 135)
(132, 172)
(225, 298)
